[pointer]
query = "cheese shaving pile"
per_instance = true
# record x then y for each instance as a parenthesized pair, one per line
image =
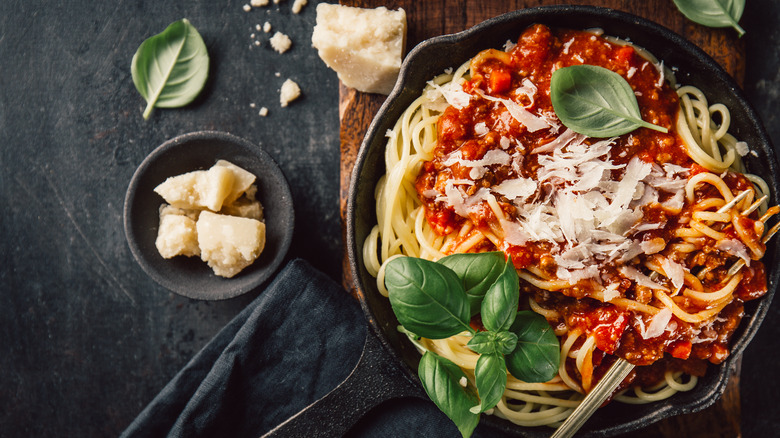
(574, 201)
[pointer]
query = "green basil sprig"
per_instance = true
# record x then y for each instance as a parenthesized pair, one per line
(713, 13)
(537, 352)
(422, 300)
(435, 300)
(476, 273)
(596, 102)
(441, 379)
(169, 69)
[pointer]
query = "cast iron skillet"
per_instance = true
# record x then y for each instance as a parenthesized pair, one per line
(376, 378)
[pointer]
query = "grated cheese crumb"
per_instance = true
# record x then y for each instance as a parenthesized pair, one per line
(289, 92)
(257, 43)
(259, 3)
(742, 148)
(280, 42)
(298, 5)
(266, 27)
(263, 111)
(258, 27)
(247, 8)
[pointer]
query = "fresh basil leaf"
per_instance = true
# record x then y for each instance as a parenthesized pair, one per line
(713, 13)
(427, 298)
(506, 342)
(483, 343)
(537, 354)
(477, 272)
(169, 69)
(493, 342)
(499, 306)
(440, 378)
(596, 102)
(490, 378)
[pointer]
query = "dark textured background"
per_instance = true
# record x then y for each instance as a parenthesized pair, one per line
(86, 338)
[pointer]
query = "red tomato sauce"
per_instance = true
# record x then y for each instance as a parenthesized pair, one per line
(538, 53)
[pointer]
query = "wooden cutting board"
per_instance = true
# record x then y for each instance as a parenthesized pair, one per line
(429, 18)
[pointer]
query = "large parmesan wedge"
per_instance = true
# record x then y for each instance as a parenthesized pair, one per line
(364, 46)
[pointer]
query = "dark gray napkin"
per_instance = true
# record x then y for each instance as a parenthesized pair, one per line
(293, 344)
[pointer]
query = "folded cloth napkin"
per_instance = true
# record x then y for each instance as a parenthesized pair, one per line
(293, 344)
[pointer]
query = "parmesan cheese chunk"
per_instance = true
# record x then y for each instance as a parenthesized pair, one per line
(198, 189)
(298, 5)
(280, 42)
(228, 243)
(364, 46)
(177, 234)
(289, 92)
(244, 207)
(242, 180)
(229, 240)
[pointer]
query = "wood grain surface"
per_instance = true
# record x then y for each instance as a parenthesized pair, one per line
(429, 18)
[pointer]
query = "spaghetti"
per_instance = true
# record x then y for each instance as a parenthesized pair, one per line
(643, 246)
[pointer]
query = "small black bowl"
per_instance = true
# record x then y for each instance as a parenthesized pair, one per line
(190, 276)
(695, 67)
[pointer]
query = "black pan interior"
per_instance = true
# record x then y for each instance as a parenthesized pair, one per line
(692, 66)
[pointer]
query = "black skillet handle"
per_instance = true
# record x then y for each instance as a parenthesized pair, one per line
(377, 377)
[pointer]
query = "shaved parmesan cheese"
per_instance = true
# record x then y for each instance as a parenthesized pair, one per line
(518, 188)
(675, 203)
(576, 275)
(735, 248)
(673, 169)
(430, 193)
(528, 89)
(514, 233)
(530, 121)
(455, 199)
(611, 292)
(630, 249)
(509, 45)
(640, 278)
(653, 246)
(492, 157)
(451, 92)
(657, 325)
(675, 272)
(567, 45)
(661, 71)
(636, 171)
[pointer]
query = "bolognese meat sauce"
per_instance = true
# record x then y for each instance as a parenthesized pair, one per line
(522, 75)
